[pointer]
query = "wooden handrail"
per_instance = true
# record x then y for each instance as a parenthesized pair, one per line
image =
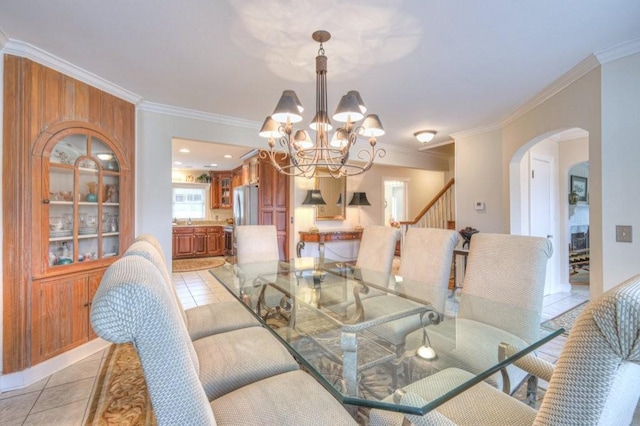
(431, 203)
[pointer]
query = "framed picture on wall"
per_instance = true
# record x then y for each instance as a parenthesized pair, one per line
(579, 186)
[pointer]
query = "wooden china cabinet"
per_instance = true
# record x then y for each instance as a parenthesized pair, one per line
(68, 157)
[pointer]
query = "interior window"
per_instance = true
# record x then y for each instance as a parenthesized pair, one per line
(189, 202)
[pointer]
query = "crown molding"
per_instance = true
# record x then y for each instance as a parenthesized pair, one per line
(25, 50)
(198, 115)
(3, 39)
(427, 146)
(476, 131)
(588, 64)
(619, 51)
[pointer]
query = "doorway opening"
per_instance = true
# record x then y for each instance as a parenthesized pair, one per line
(540, 203)
(395, 200)
(578, 224)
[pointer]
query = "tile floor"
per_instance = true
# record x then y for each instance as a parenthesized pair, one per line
(64, 397)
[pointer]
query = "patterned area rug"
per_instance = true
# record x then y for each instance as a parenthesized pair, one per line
(565, 320)
(187, 265)
(121, 393)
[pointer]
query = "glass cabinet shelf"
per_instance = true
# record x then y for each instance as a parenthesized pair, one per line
(83, 205)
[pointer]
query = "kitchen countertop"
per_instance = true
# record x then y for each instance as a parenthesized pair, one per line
(183, 224)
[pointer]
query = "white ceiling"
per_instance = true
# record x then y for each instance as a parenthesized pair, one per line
(452, 66)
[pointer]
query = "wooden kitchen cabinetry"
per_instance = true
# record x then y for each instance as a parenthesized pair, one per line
(221, 190)
(197, 241)
(68, 161)
(182, 242)
(251, 170)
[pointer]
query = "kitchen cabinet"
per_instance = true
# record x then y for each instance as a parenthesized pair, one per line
(182, 242)
(221, 190)
(197, 241)
(68, 176)
(215, 241)
(251, 170)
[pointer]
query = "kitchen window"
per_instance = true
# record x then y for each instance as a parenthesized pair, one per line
(189, 201)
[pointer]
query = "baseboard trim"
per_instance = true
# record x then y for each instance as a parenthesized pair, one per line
(24, 378)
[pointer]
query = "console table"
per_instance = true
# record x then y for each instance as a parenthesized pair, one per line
(322, 237)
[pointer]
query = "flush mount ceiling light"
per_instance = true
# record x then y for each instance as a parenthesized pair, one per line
(425, 136)
(185, 150)
(330, 153)
(105, 156)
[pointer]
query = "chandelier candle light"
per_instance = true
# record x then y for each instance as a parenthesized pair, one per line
(305, 155)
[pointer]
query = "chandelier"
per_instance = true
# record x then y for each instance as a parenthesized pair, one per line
(305, 156)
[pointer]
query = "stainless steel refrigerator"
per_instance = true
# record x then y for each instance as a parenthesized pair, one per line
(245, 205)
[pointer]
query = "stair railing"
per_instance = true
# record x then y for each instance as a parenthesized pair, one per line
(438, 213)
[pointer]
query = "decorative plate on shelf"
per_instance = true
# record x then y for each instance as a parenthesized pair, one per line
(64, 153)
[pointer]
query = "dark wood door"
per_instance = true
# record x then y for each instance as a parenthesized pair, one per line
(274, 203)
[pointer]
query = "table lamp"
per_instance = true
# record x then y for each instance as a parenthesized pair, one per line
(313, 198)
(359, 199)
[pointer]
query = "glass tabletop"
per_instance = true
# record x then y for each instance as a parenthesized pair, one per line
(370, 338)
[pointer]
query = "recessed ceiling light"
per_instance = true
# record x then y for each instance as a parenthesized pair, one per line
(177, 163)
(228, 156)
(185, 150)
(213, 165)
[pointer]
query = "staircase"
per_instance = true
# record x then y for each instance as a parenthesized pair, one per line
(438, 213)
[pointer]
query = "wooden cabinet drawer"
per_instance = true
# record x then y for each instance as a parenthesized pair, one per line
(339, 236)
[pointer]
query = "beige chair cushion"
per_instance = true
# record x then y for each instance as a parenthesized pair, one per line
(214, 318)
(293, 398)
(231, 360)
(203, 320)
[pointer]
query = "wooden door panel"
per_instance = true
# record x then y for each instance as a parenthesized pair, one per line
(93, 284)
(60, 316)
(184, 245)
(200, 243)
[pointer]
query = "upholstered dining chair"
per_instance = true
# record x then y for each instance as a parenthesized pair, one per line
(596, 380)
(201, 321)
(510, 271)
(425, 269)
(376, 253)
(133, 305)
(258, 244)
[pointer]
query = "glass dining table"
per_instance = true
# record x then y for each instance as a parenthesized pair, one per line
(342, 324)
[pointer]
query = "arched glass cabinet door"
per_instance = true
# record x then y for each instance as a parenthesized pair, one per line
(83, 205)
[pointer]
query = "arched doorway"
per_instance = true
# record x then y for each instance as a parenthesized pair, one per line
(550, 155)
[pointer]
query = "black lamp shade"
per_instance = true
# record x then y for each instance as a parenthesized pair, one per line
(359, 199)
(314, 197)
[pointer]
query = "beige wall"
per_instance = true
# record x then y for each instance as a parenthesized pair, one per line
(479, 177)
(617, 168)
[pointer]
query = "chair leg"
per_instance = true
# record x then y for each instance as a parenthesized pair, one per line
(532, 390)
